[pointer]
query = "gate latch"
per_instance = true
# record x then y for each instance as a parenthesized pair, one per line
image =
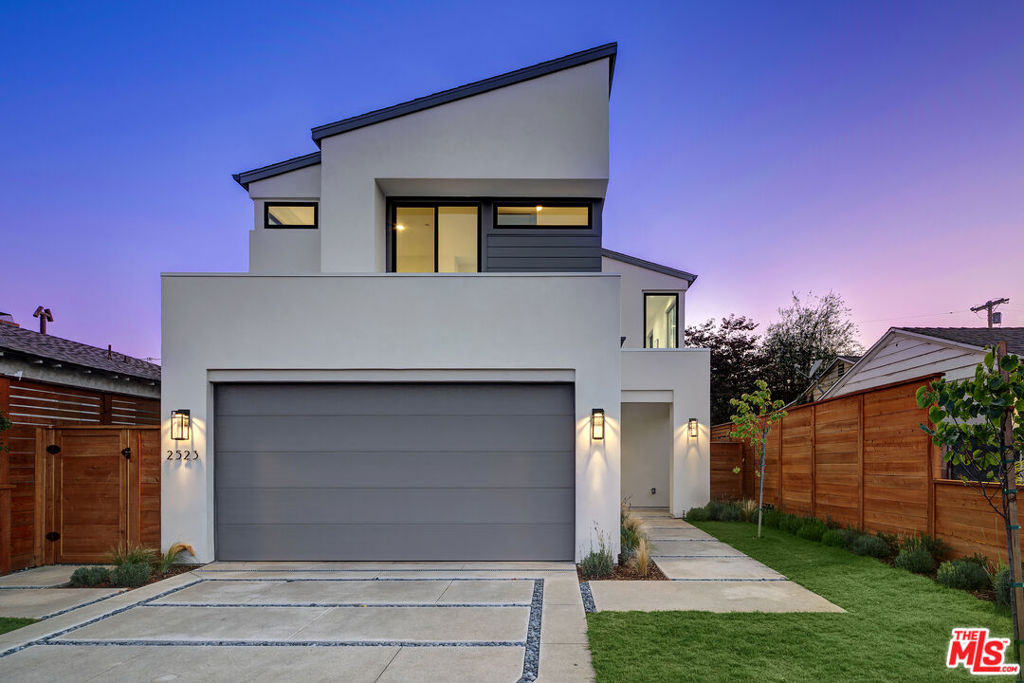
(52, 536)
(127, 453)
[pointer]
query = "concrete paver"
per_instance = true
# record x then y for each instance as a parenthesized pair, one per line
(454, 664)
(39, 577)
(707, 596)
(39, 603)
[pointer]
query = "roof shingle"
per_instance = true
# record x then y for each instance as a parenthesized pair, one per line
(976, 336)
(47, 346)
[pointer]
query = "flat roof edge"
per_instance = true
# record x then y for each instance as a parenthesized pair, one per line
(607, 50)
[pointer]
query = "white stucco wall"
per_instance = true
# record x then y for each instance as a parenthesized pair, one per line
(485, 327)
(646, 453)
(284, 250)
(635, 282)
(554, 127)
(682, 378)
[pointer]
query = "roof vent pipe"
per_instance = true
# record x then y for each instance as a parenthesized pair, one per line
(44, 316)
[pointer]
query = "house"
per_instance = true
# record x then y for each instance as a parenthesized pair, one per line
(826, 378)
(910, 352)
(432, 357)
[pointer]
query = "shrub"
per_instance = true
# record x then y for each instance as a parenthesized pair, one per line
(131, 574)
(812, 530)
(917, 560)
(849, 536)
(962, 574)
(833, 538)
(769, 517)
(1003, 583)
(136, 554)
(935, 547)
(791, 523)
(90, 576)
(977, 558)
(892, 541)
(872, 546)
(641, 560)
(715, 510)
(697, 515)
(171, 556)
(748, 510)
(731, 512)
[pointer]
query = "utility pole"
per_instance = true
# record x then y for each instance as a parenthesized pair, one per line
(989, 306)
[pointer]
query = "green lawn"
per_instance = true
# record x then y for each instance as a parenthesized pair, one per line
(896, 628)
(11, 623)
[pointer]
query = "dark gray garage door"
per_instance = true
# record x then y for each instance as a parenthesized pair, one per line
(394, 471)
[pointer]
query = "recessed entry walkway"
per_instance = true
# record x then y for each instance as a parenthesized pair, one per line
(705, 574)
(320, 621)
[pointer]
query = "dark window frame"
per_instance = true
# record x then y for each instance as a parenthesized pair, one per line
(544, 201)
(428, 203)
(643, 322)
(266, 216)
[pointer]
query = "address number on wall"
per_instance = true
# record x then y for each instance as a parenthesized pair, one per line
(182, 455)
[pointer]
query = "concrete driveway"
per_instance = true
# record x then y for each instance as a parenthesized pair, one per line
(317, 621)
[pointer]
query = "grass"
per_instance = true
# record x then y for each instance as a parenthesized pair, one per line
(897, 626)
(11, 623)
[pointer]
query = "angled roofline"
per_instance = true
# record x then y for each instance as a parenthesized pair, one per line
(607, 50)
(649, 265)
(293, 164)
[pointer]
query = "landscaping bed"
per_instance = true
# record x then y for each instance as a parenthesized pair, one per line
(627, 572)
(896, 626)
(153, 577)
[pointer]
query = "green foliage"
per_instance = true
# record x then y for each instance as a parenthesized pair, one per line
(812, 530)
(962, 574)
(849, 536)
(731, 512)
(935, 547)
(1002, 581)
(917, 560)
(735, 359)
(136, 554)
(872, 546)
(833, 538)
(715, 509)
(131, 574)
(5, 424)
(791, 523)
(90, 576)
(748, 510)
(698, 515)
(967, 414)
(770, 518)
(978, 558)
(755, 414)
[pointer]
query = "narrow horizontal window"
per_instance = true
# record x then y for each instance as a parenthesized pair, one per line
(290, 215)
(542, 215)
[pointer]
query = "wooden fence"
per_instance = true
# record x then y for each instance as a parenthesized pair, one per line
(862, 460)
(23, 473)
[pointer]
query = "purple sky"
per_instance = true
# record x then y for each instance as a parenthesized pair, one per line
(876, 149)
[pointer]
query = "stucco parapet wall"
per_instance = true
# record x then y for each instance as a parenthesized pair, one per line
(402, 275)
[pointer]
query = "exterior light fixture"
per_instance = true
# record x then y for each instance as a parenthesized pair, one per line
(597, 424)
(181, 425)
(399, 227)
(693, 427)
(539, 208)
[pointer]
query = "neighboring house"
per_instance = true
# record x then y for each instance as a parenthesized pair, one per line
(908, 352)
(415, 365)
(47, 380)
(827, 377)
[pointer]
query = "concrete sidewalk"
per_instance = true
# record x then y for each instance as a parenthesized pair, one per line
(705, 574)
(40, 593)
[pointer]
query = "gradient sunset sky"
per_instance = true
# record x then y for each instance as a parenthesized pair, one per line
(872, 148)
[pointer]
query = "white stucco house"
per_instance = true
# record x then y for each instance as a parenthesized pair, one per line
(904, 353)
(432, 357)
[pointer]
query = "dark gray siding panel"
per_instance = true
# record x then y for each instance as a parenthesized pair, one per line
(394, 471)
(544, 263)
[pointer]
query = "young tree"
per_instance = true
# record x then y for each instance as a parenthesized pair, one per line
(816, 328)
(756, 412)
(735, 359)
(974, 423)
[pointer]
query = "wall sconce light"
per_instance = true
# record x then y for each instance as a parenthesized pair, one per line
(693, 427)
(181, 425)
(597, 424)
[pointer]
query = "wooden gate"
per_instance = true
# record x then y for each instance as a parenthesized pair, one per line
(100, 490)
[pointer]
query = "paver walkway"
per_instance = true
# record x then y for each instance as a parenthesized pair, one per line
(705, 574)
(39, 593)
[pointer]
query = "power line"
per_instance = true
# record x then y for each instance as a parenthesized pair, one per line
(989, 307)
(911, 317)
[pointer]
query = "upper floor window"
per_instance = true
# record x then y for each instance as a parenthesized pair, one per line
(541, 215)
(290, 215)
(661, 321)
(436, 238)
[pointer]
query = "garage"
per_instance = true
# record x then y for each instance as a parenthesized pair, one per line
(394, 471)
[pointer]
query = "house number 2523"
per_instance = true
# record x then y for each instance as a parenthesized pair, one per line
(182, 455)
